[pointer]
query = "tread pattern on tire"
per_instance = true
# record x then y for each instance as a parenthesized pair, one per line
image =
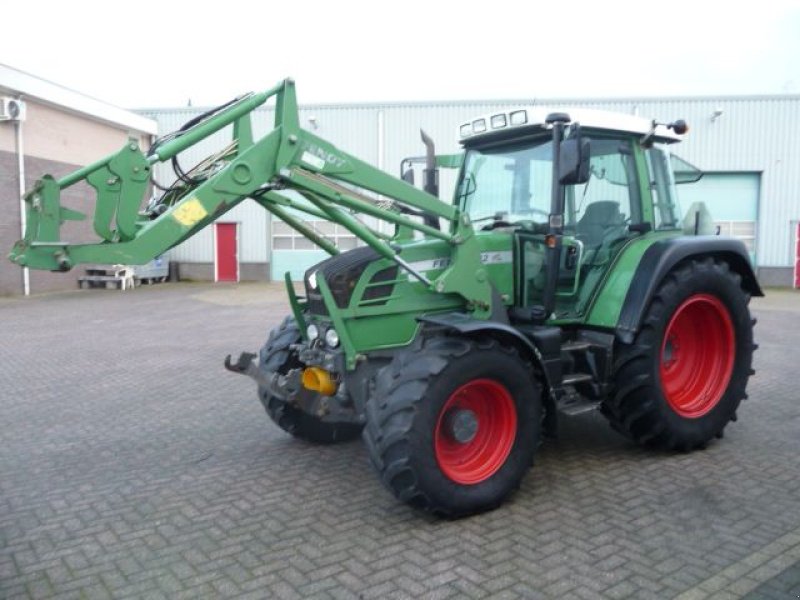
(636, 406)
(400, 389)
(276, 355)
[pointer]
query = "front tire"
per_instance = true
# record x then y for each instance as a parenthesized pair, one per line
(681, 381)
(277, 355)
(452, 426)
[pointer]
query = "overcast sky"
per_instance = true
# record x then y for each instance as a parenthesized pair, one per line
(149, 53)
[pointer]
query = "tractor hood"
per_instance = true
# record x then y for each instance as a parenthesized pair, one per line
(360, 279)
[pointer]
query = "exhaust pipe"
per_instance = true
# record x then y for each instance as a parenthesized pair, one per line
(430, 175)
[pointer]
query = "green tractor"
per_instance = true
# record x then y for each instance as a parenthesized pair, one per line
(560, 279)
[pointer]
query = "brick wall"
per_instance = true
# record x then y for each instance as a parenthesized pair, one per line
(205, 271)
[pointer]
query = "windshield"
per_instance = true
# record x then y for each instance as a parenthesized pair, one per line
(526, 170)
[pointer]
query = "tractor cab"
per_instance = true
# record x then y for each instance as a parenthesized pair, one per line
(510, 182)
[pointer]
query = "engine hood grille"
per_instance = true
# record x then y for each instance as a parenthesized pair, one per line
(341, 272)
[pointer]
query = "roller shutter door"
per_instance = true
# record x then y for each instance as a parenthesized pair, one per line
(732, 199)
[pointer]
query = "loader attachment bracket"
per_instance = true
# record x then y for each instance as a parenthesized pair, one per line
(44, 211)
(120, 185)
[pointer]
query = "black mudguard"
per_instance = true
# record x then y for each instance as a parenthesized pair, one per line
(546, 352)
(660, 258)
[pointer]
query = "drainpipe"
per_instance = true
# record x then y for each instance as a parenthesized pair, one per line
(26, 276)
(381, 135)
(381, 156)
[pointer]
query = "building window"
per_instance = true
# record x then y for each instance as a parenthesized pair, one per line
(286, 238)
(741, 230)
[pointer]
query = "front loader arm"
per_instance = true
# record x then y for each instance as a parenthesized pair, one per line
(334, 185)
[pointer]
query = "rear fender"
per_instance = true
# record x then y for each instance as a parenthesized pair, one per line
(662, 257)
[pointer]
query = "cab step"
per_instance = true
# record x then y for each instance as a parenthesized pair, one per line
(575, 378)
(576, 346)
(575, 404)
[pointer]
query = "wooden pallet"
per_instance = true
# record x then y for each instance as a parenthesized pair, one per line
(116, 277)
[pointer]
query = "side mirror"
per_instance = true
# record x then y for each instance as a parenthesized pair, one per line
(573, 160)
(408, 176)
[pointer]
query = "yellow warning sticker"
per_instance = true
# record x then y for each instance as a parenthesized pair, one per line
(189, 212)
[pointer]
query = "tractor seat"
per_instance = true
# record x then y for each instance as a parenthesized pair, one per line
(593, 227)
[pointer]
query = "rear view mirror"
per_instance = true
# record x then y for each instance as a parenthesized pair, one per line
(573, 160)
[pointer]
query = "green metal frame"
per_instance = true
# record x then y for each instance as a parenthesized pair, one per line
(288, 157)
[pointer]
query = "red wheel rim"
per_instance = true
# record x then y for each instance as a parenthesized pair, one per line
(697, 355)
(491, 416)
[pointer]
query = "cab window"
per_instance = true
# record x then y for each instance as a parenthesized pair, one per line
(600, 210)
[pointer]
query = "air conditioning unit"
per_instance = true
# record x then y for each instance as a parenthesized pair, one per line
(11, 109)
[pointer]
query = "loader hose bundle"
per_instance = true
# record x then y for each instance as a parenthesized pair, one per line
(188, 179)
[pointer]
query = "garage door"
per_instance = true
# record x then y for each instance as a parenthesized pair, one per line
(732, 199)
(294, 253)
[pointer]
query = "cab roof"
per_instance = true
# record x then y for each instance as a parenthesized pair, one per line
(523, 120)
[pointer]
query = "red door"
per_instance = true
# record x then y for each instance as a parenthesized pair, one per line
(226, 267)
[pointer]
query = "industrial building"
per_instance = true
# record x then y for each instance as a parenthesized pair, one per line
(47, 128)
(747, 146)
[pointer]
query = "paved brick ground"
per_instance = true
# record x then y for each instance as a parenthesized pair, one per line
(133, 465)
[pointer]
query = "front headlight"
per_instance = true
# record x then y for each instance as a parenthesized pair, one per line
(332, 338)
(312, 332)
(312, 280)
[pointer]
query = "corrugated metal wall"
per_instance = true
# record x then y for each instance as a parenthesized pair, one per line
(755, 134)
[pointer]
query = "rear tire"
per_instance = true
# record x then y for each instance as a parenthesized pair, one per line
(276, 355)
(452, 426)
(681, 380)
